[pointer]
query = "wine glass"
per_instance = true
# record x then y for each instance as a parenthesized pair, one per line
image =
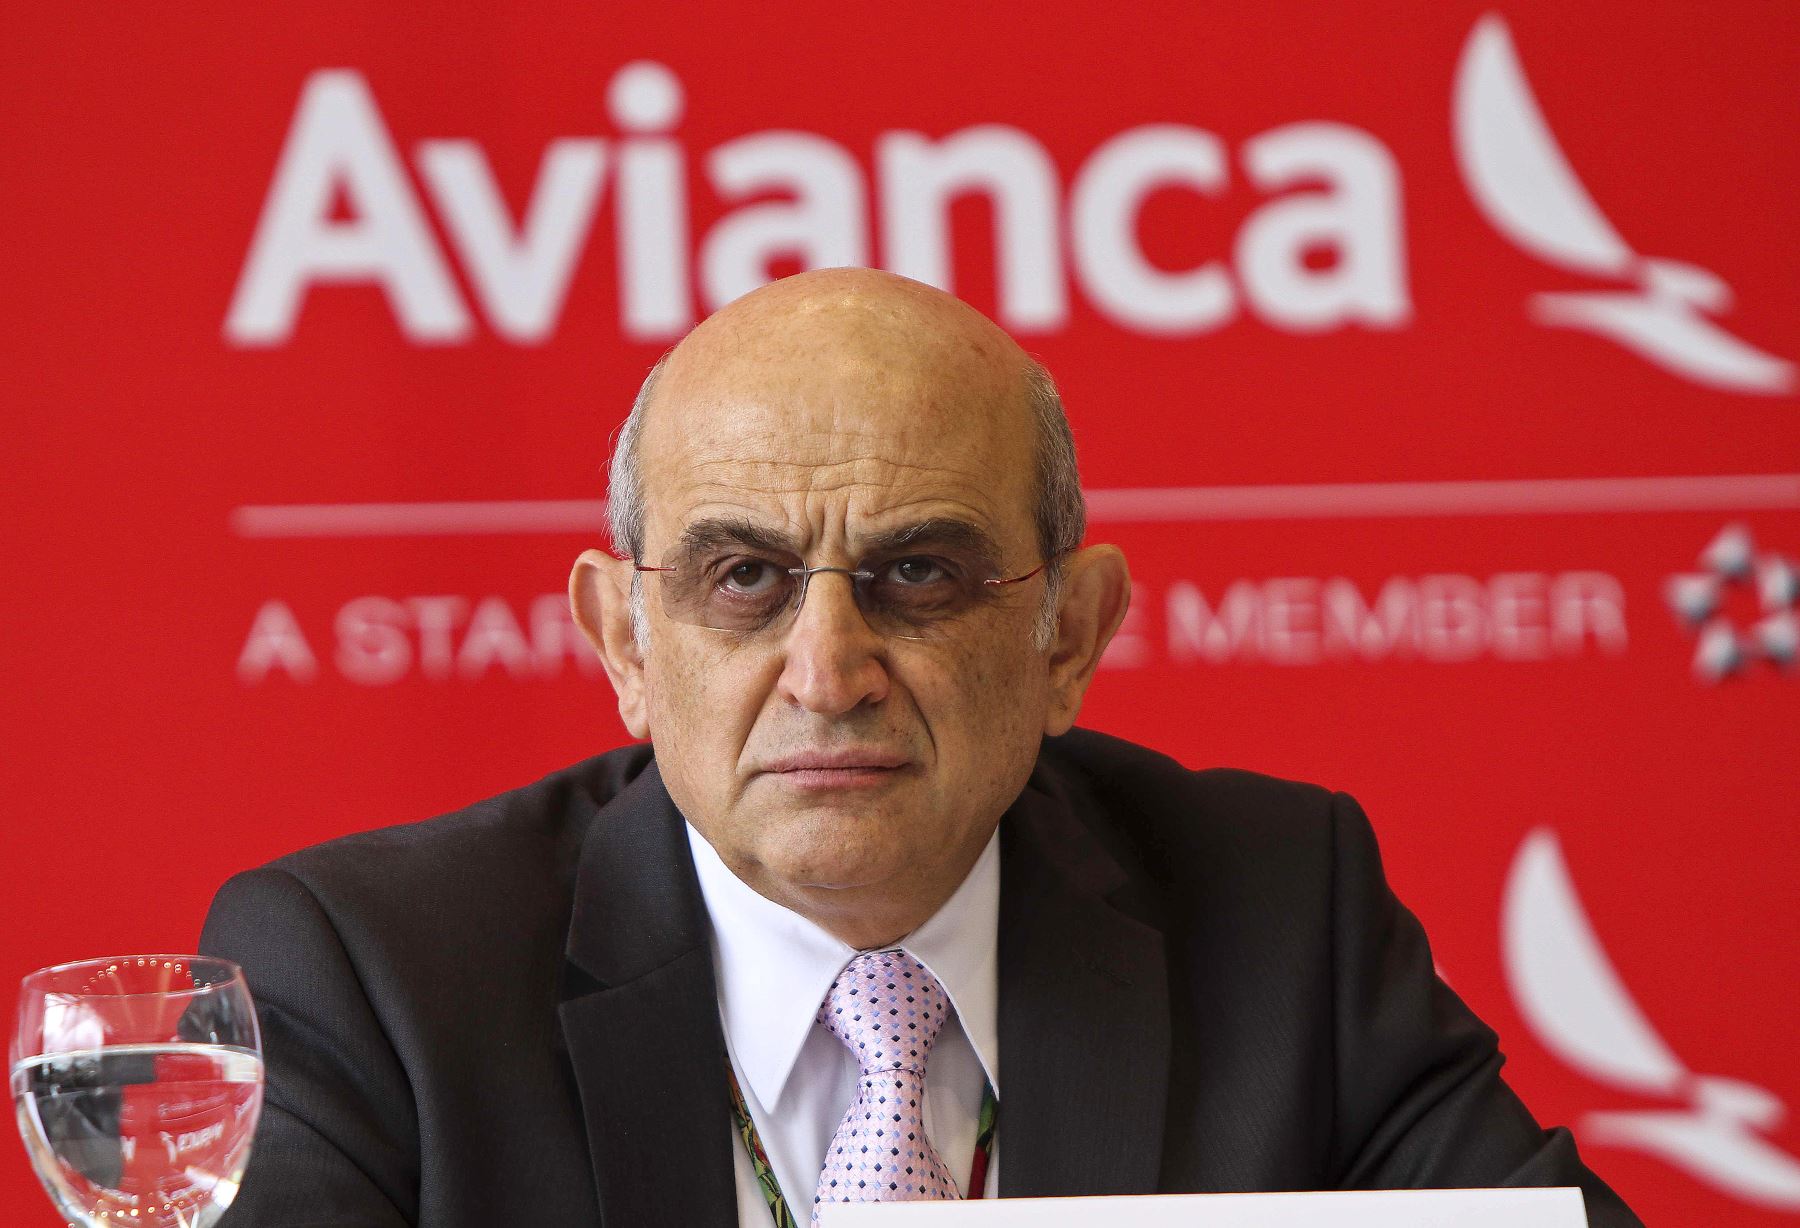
(138, 1081)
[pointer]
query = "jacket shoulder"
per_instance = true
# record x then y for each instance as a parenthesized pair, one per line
(517, 845)
(1235, 839)
(1132, 782)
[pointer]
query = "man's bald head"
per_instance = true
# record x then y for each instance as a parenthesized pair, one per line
(854, 338)
(877, 322)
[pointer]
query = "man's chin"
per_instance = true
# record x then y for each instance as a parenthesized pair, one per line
(827, 857)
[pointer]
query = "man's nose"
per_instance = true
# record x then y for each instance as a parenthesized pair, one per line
(833, 655)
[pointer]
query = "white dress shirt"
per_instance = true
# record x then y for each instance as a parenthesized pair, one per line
(772, 968)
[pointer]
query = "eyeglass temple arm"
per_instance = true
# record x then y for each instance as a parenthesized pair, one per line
(1023, 578)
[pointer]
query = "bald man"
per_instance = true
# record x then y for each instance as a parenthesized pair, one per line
(772, 957)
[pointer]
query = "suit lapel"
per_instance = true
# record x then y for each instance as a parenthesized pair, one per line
(1084, 1015)
(641, 1019)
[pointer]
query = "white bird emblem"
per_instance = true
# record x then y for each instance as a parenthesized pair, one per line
(1571, 995)
(1522, 181)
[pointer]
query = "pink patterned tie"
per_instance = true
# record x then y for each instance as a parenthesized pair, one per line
(887, 1007)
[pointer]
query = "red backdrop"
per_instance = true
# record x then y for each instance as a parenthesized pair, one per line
(1434, 365)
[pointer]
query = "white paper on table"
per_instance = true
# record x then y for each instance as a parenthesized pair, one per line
(1537, 1208)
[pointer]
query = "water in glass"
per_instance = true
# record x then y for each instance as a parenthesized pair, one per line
(139, 1107)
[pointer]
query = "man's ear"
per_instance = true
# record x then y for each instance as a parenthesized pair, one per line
(600, 600)
(1096, 591)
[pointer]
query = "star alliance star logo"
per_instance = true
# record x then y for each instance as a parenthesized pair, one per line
(1733, 563)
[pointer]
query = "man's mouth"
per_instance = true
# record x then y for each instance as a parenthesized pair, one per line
(836, 769)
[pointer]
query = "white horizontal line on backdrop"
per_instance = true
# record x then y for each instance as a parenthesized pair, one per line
(1334, 500)
(419, 519)
(1505, 497)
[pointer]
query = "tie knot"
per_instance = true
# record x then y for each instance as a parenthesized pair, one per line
(887, 1008)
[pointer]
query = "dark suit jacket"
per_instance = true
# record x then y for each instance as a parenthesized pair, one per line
(507, 1015)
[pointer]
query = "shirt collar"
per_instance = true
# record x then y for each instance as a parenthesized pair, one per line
(773, 966)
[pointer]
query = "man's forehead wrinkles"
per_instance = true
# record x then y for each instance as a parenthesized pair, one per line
(863, 520)
(808, 494)
(839, 470)
(862, 493)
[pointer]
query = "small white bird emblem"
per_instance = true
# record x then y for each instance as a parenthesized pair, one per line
(1520, 178)
(1572, 997)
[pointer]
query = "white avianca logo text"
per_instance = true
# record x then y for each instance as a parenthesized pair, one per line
(1332, 186)
(806, 198)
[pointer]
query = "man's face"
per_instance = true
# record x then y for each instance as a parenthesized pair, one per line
(819, 756)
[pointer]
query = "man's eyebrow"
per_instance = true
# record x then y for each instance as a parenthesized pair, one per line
(714, 532)
(943, 532)
(939, 532)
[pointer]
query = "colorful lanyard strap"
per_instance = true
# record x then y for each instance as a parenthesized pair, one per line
(771, 1188)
